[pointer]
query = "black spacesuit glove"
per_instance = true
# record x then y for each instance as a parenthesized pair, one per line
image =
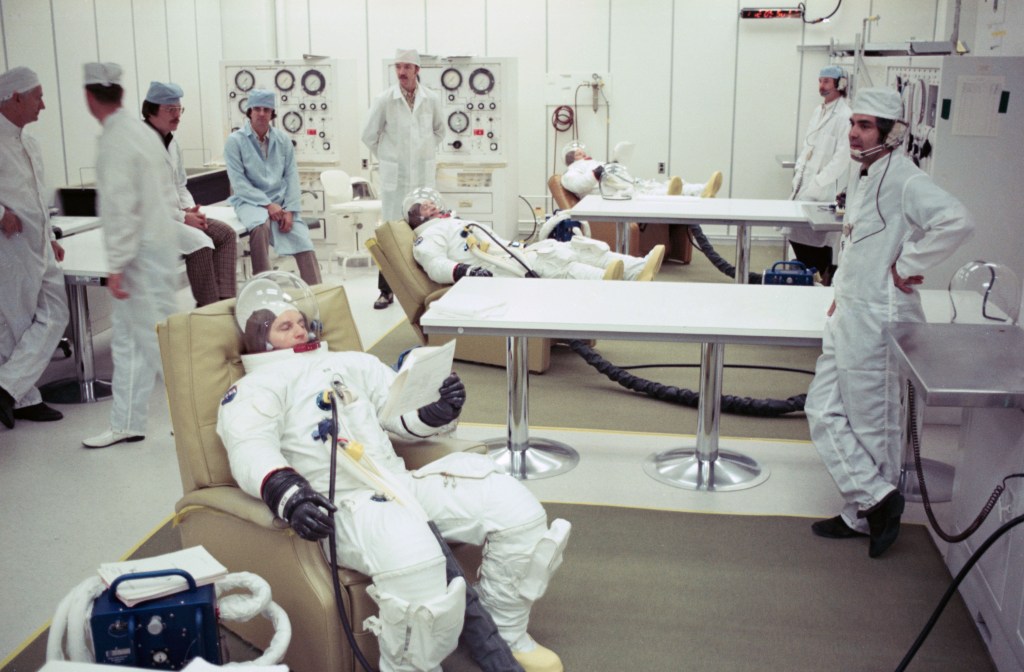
(291, 497)
(462, 270)
(448, 407)
(599, 172)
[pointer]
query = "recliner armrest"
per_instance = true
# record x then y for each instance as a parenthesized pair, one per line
(233, 501)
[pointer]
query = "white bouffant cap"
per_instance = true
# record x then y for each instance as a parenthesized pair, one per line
(104, 74)
(879, 102)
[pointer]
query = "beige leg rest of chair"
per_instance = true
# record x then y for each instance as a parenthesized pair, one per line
(391, 247)
(200, 351)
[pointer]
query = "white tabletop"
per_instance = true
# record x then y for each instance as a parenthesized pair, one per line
(70, 226)
(653, 311)
(224, 213)
(85, 255)
(683, 210)
(821, 218)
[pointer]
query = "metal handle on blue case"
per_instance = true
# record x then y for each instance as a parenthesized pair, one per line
(153, 575)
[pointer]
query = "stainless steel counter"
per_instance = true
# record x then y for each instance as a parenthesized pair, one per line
(965, 365)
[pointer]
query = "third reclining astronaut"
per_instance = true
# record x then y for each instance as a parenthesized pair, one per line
(272, 425)
(449, 248)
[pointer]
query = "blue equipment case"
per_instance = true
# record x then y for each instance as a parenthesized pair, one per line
(160, 634)
(789, 273)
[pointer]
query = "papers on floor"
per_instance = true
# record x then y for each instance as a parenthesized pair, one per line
(419, 379)
(196, 560)
(469, 306)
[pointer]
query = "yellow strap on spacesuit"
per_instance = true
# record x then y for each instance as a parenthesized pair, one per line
(362, 467)
(479, 250)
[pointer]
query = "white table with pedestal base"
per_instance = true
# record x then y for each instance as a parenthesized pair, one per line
(743, 213)
(712, 314)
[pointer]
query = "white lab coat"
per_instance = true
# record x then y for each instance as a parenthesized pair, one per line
(852, 405)
(135, 201)
(823, 166)
(190, 239)
(33, 307)
(440, 246)
(405, 142)
(267, 421)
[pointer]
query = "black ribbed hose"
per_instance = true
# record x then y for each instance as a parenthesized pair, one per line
(704, 245)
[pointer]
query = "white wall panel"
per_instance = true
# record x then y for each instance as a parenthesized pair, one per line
(75, 35)
(248, 29)
(183, 70)
(901, 20)
(578, 35)
(294, 30)
(456, 28)
(704, 38)
(117, 43)
(641, 61)
(399, 24)
(204, 103)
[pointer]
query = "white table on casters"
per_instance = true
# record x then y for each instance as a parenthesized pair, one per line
(85, 263)
(712, 314)
(742, 213)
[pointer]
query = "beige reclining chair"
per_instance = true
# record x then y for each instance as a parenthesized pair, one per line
(642, 238)
(200, 351)
(391, 247)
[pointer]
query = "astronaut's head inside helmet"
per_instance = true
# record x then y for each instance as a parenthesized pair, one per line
(574, 151)
(276, 311)
(422, 205)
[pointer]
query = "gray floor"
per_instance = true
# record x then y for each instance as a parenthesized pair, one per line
(67, 509)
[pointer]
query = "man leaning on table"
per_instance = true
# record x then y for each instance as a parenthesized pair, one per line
(33, 307)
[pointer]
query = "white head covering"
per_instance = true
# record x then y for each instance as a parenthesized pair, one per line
(407, 56)
(104, 74)
(261, 98)
(164, 94)
(879, 102)
(17, 80)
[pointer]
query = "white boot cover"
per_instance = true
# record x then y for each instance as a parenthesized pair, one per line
(416, 635)
(517, 567)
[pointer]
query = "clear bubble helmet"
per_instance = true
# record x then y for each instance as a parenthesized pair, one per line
(983, 292)
(266, 297)
(616, 183)
(423, 195)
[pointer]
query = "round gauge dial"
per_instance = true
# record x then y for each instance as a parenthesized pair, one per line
(244, 80)
(292, 122)
(481, 81)
(458, 121)
(284, 80)
(243, 105)
(451, 79)
(313, 82)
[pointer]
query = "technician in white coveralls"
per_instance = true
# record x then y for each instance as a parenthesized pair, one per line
(33, 307)
(271, 422)
(449, 248)
(898, 225)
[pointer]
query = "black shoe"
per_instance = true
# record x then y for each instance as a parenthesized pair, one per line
(884, 522)
(384, 300)
(38, 413)
(835, 528)
(6, 409)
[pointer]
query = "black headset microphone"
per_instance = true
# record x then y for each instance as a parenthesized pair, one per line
(894, 140)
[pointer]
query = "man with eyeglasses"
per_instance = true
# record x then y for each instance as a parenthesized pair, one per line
(209, 245)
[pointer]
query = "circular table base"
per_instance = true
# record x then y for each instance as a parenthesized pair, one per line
(543, 458)
(69, 391)
(681, 468)
(938, 478)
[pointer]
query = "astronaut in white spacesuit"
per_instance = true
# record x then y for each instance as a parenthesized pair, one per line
(272, 423)
(449, 248)
(583, 176)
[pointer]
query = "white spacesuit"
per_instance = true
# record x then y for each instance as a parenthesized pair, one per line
(581, 177)
(897, 222)
(271, 422)
(446, 242)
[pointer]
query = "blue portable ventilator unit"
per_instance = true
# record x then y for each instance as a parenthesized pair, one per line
(160, 634)
(789, 273)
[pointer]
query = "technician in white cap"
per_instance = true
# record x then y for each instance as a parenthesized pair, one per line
(33, 307)
(898, 224)
(209, 245)
(403, 129)
(265, 189)
(135, 201)
(823, 169)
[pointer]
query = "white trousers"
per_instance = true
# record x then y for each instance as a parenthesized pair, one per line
(133, 346)
(580, 259)
(384, 538)
(854, 418)
(24, 356)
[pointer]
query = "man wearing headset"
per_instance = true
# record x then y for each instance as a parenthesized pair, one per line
(822, 169)
(898, 224)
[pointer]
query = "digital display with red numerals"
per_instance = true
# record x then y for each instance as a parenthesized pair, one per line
(771, 13)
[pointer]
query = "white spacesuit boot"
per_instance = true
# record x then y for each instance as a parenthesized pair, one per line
(416, 628)
(517, 565)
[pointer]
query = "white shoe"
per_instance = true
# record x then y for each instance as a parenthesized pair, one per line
(538, 659)
(110, 437)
